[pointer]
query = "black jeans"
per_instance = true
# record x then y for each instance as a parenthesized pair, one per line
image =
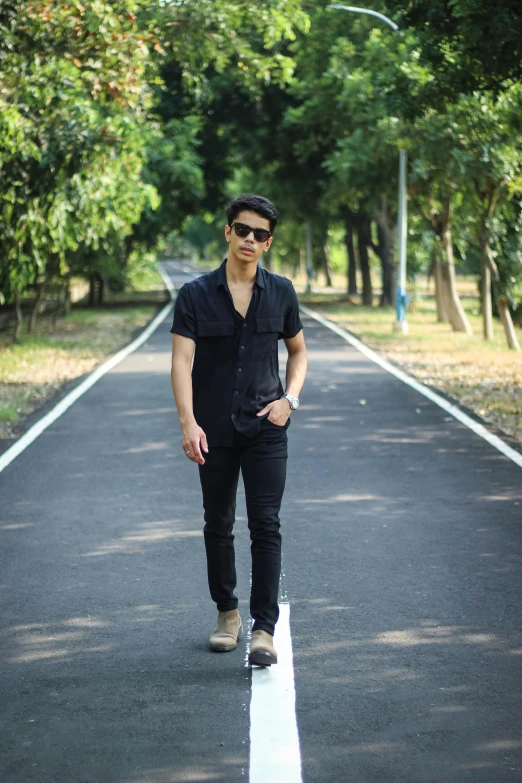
(262, 461)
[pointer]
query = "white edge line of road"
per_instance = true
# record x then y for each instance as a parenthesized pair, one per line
(449, 407)
(274, 740)
(28, 437)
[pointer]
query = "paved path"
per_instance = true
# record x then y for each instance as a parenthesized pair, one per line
(402, 567)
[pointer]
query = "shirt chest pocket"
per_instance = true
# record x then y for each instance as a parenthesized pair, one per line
(268, 330)
(216, 337)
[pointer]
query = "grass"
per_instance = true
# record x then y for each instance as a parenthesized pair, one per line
(9, 414)
(484, 376)
(32, 370)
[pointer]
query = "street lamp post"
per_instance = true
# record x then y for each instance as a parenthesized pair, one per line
(401, 299)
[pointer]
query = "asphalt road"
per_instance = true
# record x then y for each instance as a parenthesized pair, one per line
(402, 567)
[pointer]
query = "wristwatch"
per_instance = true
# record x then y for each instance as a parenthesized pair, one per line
(294, 402)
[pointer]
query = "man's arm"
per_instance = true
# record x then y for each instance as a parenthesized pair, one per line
(194, 439)
(296, 367)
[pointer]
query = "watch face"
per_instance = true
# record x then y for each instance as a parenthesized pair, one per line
(294, 402)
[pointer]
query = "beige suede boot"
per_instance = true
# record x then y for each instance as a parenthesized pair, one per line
(262, 650)
(225, 635)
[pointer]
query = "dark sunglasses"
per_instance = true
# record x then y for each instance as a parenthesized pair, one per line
(260, 234)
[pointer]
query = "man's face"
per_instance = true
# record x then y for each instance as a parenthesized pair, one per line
(247, 249)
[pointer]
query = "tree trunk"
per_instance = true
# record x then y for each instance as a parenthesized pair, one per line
(487, 308)
(456, 314)
(62, 303)
(56, 312)
(385, 252)
(321, 236)
(18, 310)
(488, 268)
(101, 290)
(309, 257)
(440, 293)
(34, 313)
(326, 266)
(299, 265)
(67, 296)
(446, 290)
(363, 239)
(96, 290)
(507, 323)
(387, 265)
(352, 265)
(92, 290)
(490, 275)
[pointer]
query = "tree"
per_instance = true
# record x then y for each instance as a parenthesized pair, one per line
(85, 149)
(467, 155)
(468, 45)
(489, 148)
(74, 93)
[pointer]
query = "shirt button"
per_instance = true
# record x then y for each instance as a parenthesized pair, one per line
(240, 369)
(244, 326)
(242, 347)
(236, 392)
(233, 415)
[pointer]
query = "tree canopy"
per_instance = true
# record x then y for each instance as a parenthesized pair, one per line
(124, 123)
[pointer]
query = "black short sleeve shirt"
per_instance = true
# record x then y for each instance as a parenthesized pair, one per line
(236, 365)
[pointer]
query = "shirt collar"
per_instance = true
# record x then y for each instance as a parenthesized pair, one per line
(222, 275)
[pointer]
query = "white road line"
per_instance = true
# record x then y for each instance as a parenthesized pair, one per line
(25, 440)
(274, 741)
(168, 282)
(449, 407)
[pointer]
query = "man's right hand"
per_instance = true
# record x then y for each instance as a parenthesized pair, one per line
(194, 443)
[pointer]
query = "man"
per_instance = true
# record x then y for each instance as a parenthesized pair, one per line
(234, 413)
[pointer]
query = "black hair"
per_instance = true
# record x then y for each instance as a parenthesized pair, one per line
(253, 203)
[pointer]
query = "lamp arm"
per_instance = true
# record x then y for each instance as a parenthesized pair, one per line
(366, 11)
